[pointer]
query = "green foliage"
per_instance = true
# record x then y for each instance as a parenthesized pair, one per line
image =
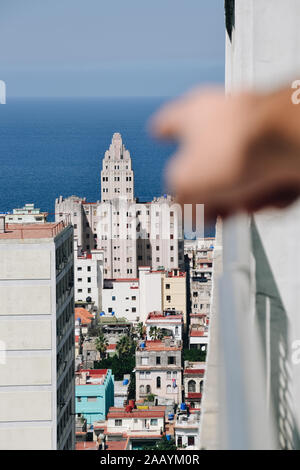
(140, 330)
(151, 397)
(118, 367)
(194, 355)
(163, 444)
(101, 344)
(126, 346)
(155, 333)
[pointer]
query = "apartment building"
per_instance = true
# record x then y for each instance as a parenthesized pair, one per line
(89, 278)
(193, 383)
(37, 333)
(132, 298)
(187, 430)
(174, 292)
(131, 233)
(27, 214)
(169, 323)
(136, 427)
(199, 254)
(158, 369)
(94, 394)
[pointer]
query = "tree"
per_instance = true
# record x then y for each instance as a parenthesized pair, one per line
(140, 329)
(194, 355)
(101, 344)
(155, 333)
(163, 444)
(118, 368)
(125, 346)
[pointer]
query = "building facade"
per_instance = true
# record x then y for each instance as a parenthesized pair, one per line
(158, 369)
(37, 331)
(130, 233)
(94, 394)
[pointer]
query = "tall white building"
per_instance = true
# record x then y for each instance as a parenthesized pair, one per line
(88, 278)
(130, 233)
(36, 336)
(117, 179)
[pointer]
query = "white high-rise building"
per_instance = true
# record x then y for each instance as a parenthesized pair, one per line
(130, 233)
(117, 179)
(37, 384)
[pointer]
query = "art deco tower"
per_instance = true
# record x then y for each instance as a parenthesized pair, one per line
(117, 175)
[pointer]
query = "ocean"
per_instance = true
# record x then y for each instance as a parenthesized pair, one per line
(53, 147)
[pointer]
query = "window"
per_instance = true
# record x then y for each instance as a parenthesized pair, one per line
(79, 268)
(179, 441)
(91, 399)
(118, 422)
(142, 375)
(191, 386)
(88, 279)
(148, 389)
(79, 399)
(145, 361)
(113, 297)
(167, 286)
(169, 388)
(158, 382)
(153, 422)
(191, 440)
(171, 360)
(157, 360)
(133, 309)
(89, 268)
(133, 297)
(168, 298)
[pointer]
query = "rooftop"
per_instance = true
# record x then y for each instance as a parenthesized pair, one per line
(91, 376)
(32, 231)
(116, 445)
(85, 316)
(165, 315)
(161, 345)
(151, 412)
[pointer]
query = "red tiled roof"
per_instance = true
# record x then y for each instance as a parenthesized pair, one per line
(85, 445)
(194, 395)
(116, 445)
(154, 412)
(196, 333)
(29, 231)
(111, 347)
(84, 315)
(158, 345)
(194, 371)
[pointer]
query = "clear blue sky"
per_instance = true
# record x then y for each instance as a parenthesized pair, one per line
(110, 47)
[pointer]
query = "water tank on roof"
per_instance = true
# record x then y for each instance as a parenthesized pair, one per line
(170, 416)
(101, 314)
(168, 436)
(142, 345)
(79, 320)
(125, 382)
(183, 406)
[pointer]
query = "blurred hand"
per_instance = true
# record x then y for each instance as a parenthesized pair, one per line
(235, 153)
